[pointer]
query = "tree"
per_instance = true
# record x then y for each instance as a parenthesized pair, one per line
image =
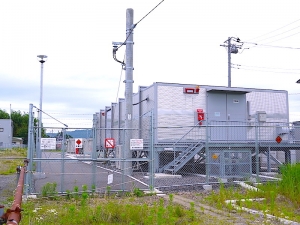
(20, 123)
(4, 114)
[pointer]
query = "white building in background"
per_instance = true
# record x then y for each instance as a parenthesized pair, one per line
(6, 133)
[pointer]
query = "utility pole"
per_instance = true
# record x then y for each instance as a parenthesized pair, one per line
(231, 48)
(229, 62)
(128, 67)
(128, 89)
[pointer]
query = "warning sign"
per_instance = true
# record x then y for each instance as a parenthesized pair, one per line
(109, 143)
(78, 143)
(136, 144)
(48, 143)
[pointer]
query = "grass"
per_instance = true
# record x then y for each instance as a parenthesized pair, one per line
(280, 199)
(85, 208)
(16, 158)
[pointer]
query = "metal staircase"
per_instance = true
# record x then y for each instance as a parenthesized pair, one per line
(183, 158)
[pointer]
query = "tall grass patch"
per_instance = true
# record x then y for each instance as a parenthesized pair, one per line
(289, 185)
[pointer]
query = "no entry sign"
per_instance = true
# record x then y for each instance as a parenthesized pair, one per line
(109, 142)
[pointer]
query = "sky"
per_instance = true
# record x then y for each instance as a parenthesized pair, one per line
(178, 42)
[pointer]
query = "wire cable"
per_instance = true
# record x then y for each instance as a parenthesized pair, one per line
(270, 46)
(268, 71)
(149, 12)
(275, 30)
(283, 38)
(134, 25)
(278, 34)
(239, 65)
(120, 79)
(51, 116)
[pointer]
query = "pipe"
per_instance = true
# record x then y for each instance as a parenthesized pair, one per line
(13, 215)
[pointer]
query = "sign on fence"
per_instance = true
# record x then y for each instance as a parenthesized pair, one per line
(48, 143)
(136, 144)
(109, 143)
(78, 143)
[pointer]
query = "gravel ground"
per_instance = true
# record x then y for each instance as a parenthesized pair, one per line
(8, 184)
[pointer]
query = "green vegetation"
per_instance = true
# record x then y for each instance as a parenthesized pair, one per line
(280, 199)
(83, 205)
(84, 208)
(20, 122)
(10, 159)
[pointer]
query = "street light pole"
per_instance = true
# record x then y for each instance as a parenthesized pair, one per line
(42, 59)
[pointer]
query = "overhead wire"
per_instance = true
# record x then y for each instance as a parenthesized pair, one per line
(275, 30)
(115, 49)
(149, 12)
(134, 25)
(283, 38)
(256, 44)
(121, 73)
(278, 34)
(268, 71)
(263, 67)
(270, 46)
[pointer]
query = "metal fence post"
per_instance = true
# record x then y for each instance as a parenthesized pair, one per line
(206, 154)
(256, 150)
(63, 161)
(94, 153)
(151, 153)
(28, 178)
(123, 162)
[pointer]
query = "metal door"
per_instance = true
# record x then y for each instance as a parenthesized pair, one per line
(226, 113)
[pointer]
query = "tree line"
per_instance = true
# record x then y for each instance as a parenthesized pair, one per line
(20, 123)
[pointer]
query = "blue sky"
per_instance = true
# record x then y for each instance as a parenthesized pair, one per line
(179, 42)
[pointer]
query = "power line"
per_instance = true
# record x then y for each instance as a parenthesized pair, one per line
(279, 34)
(120, 79)
(149, 12)
(268, 71)
(275, 30)
(270, 46)
(134, 25)
(239, 65)
(118, 45)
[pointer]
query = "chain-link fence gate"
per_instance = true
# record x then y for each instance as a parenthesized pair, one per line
(90, 162)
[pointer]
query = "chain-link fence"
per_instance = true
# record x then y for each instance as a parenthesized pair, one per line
(224, 152)
(96, 160)
(156, 157)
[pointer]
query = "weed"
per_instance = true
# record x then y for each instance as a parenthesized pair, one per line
(93, 189)
(84, 195)
(137, 192)
(108, 190)
(49, 190)
(75, 193)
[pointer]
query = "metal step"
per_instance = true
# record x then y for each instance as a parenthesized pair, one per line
(183, 158)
